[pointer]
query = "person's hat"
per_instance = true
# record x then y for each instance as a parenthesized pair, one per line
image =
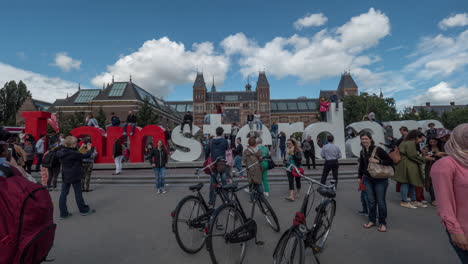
(443, 132)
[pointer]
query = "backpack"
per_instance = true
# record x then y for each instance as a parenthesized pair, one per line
(27, 230)
(49, 160)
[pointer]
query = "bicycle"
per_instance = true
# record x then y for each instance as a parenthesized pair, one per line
(193, 214)
(292, 244)
(229, 226)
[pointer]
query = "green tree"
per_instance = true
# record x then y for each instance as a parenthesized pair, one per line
(101, 117)
(408, 113)
(69, 122)
(12, 97)
(357, 107)
(427, 115)
(146, 115)
(455, 117)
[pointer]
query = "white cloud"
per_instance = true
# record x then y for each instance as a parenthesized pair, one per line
(65, 62)
(312, 20)
(323, 55)
(458, 20)
(42, 87)
(441, 94)
(159, 64)
(440, 56)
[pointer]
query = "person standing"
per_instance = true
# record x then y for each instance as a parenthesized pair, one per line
(234, 130)
(91, 121)
(252, 157)
(293, 157)
(206, 118)
(117, 154)
(238, 156)
(53, 170)
(131, 120)
(258, 121)
(433, 152)
(158, 158)
(282, 144)
(71, 160)
(309, 151)
(87, 165)
(188, 119)
(264, 164)
(218, 148)
(330, 153)
(250, 120)
(30, 153)
(450, 178)
(40, 149)
(376, 189)
(408, 171)
(274, 135)
(324, 107)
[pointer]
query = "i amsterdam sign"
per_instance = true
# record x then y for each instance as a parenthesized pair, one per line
(36, 124)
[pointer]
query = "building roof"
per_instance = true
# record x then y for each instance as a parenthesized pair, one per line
(232, 96)
(439, 109)
(41, 105)
(346, 82)
(81, 98)
(199, 80)
(262, 80)
(293, 105)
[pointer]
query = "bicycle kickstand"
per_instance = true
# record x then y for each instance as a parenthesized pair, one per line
(258, 242)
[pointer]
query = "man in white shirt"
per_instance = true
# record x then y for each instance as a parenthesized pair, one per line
(40, 149)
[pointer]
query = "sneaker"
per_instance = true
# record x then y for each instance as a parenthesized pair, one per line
(159, 191)
(163, 191)
(424, 202)
(247, 190)
(90, 212)
(266, 194)
(418, 204)
(363, 212)
(407, 205)
(65, 217)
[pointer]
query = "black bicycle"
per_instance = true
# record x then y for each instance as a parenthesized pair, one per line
(230, 228)
(301, 235)
(192, 215)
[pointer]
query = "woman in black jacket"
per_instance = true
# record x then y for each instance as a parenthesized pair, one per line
(71, 160)
(376, 188)
(158, 158)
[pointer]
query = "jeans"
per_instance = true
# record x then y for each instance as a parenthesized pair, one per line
(125, 128)
(86, 177)
(183, 124)
(365, 201)
(213, 181)
(323, 116)
(376, 192)
(53, 176)
(291, 180)
(330, 165)
(259, 125)
(160, 175)
(29, 164)
(78, 198)
(309, 156)
(250, 124)
(118, 164)
(283, 152)
(462, 254)
(238, 164)
(407, 189)
(39, 160)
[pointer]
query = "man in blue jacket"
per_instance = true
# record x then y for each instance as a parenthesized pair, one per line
(218, 148)
(71, 160)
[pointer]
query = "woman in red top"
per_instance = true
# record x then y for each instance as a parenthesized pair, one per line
(324, 107)
(450, 179)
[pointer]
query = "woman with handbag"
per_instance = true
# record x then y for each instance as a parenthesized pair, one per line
(376, 185)
(293, 156)
(408, 171)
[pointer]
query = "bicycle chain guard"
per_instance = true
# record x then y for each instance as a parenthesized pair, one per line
(243, 233)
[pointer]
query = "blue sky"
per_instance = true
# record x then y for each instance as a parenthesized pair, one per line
(414, 51)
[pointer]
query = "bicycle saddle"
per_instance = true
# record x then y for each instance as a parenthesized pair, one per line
(230, 187)
(196, 187)
(326, 192)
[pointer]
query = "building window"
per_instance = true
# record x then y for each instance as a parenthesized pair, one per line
(245, 106)
(263, 108)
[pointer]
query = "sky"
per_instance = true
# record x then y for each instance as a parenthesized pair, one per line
(415, 51)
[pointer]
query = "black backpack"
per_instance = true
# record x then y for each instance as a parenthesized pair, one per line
(49, 159)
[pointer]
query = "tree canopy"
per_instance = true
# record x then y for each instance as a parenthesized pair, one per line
(12, 97)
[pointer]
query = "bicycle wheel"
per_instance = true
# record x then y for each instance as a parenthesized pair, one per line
(224, 220)
(190, 236)
(322, 224)
(290, 249)
(268, 212)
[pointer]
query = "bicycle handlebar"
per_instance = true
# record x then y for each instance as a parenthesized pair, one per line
(288, 168)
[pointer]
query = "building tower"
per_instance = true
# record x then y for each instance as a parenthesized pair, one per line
(347, 86)
(199, 98)
(263, 98)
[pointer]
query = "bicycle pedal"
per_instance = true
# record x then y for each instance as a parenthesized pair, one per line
(259, 243)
